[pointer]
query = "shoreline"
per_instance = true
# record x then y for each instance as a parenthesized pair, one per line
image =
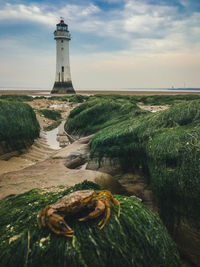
(103, 92)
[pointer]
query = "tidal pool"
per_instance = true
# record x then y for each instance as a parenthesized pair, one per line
(51, 137)
(57, 138)
(59, 106)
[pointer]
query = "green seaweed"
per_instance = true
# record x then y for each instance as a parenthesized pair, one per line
(50, 114)
(150, 100)
(18, 125)
(40, 97)
(70, 98)
(166, 145)
(98, 113)
(136, 238)
(18, 98)
(165, 99)
(52, 126)
(78, 98)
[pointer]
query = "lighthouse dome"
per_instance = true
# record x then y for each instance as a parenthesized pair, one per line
(62, 26)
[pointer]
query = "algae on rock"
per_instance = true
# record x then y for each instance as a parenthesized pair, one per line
(18, 126)
(165, 144)
(136, 238)
(50, 114)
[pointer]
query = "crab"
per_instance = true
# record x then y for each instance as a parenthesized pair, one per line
(52, 216)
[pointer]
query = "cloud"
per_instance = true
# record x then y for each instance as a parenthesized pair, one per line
(143, 26)
(144, 18)
(22, 12)
(163, 27)
(135, 20)
(134, 44)
(41, 14)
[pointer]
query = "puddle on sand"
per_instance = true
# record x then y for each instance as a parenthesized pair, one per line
(59, 106)
(57, 138)
(51, 137)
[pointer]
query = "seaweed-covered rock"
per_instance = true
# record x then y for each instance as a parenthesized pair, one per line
(166, 144)
(136, 238)
(18, 126)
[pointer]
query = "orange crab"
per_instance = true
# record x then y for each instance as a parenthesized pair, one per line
(53, 215)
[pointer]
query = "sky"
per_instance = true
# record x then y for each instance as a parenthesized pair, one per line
(116, 44)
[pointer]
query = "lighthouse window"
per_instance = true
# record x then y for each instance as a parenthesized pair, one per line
(62, 69)
(61, 41)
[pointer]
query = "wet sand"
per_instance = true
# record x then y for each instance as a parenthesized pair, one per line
(94, 92)
(52, 172)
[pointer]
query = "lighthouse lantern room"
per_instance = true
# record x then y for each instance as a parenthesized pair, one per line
(63, 82)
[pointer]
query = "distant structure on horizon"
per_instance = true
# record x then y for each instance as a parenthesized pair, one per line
(63, 82)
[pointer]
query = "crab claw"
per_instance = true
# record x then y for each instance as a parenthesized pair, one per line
(58, 225)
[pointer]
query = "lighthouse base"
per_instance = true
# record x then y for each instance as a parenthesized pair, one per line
(63, 88)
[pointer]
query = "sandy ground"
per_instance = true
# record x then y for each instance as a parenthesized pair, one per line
(62, 106)
(153, 108)
(37, 152)
(51, 172)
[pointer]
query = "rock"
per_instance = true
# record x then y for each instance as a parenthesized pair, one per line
(86, 139)
(187, 238)
(136, 189)
(147, 199)
(73, 155)
(107, 165)
(135, 184)
(147, 195)
(80, 146)
(75, 160)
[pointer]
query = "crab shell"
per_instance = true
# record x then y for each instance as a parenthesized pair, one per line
(53, 215)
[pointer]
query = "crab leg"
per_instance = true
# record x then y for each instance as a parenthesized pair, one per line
(41, 216)
(110, 197)
(103, 222)
(99, 209)
(56, 231)
(116, 202)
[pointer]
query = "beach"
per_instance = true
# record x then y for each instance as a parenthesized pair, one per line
(104, 92)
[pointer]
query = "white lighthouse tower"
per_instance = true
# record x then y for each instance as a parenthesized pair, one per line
(63, 82)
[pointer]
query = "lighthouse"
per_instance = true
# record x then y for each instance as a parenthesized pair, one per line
(63, 82)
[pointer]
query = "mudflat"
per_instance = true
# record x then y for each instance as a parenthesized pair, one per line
(105, 92)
